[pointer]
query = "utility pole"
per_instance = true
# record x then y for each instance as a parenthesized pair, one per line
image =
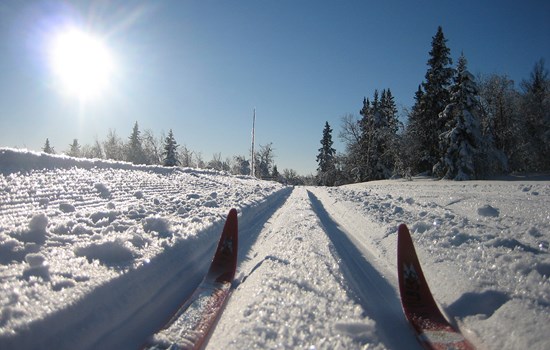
(253, 155)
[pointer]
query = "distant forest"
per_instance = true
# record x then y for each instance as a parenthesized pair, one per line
(145, 148)
(461, 127)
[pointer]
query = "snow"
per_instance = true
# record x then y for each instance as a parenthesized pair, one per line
(98, 254)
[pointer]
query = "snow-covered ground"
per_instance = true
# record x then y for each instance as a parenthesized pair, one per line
(96, 254)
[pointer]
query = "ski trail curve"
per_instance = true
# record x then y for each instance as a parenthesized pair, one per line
(370, 287)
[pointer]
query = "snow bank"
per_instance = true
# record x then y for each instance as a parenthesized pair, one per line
(86, 245)
(484, 246)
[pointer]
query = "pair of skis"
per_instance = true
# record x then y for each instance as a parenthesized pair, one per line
(432, 329)
(190, 326)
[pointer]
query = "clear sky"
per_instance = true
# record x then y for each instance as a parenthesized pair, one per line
(200, 67)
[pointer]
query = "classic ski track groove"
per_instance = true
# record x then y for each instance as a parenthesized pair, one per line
(375, 288)
(365, 284)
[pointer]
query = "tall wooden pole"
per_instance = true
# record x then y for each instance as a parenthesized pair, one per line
(253, 155)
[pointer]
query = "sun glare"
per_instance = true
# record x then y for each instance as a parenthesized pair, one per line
(82, 64)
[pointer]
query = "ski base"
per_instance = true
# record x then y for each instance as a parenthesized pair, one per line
(433, 331)
(191, 325)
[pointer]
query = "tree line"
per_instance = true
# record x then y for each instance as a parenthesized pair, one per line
(146, 148)
(460, 128)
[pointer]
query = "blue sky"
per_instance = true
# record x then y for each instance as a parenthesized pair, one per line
(200, 67)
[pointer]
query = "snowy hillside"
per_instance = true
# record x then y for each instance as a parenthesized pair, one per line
(95, 254)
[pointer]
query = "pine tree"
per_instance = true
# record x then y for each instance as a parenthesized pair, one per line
(134, 149)
(378, 144)
(388, 133)
(389, 111)
(275, 173)
(435, 98)
(367, 146)
(461, 142)
(47, 148)
(536, 106)
(411, 146)
(74, 150)
(170, 150)
(326, 172)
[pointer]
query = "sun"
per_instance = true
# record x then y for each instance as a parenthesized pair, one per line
(82, 63)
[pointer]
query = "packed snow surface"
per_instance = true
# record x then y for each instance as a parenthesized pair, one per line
(98, 254)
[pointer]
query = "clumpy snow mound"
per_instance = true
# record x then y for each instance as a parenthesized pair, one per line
(98, 255)
(483, 246)
(85, 244)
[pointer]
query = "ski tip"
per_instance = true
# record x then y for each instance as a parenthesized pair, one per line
(403, 230)
(231, 223)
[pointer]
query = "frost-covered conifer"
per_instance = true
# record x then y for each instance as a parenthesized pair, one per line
(433, 100)
(47, 148)
(378, 137)
(134, 148)
(74, 150)
(461, 142)
(536, 109)
(326, 172)
(170, 150)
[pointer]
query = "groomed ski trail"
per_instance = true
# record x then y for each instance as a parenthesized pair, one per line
(283, 301)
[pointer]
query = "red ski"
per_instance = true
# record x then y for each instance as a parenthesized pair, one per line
(190, 326)
(433, 331)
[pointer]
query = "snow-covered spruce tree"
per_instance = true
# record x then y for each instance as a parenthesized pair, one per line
(326, 171)
(378, 137)
(367, 148)
(435, 98)
(461, 142)
(170, 153)
(134, 149)
(536, 108)
(74, 150)
(390, 153)
(47, 148)
(410, 148)
(275, 174)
